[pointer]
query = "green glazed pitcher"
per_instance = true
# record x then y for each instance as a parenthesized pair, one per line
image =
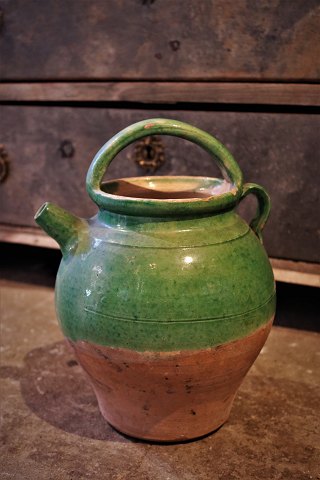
(166, 295)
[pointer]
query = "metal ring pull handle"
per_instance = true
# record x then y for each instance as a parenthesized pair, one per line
(161, 126)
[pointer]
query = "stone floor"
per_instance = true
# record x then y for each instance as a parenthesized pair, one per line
(52, 428)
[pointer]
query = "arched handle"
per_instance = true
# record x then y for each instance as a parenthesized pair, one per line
(162, 126)
(263, 210)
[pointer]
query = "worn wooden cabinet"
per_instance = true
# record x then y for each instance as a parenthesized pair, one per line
(161, 40)
(73, 73)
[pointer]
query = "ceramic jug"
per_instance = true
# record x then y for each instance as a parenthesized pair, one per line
(166, 295)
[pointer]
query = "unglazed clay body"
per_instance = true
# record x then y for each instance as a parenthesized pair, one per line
(167, 296)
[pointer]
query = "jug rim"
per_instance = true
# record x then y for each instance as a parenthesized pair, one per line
(164, 126)
(165, 195)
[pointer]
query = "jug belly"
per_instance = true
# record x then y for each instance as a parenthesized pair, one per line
(169, 396)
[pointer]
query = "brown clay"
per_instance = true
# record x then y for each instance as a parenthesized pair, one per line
(171, 396)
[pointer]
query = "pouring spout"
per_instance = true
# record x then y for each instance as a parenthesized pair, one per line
(66, 229)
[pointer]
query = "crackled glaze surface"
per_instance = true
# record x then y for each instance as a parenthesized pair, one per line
(165, 285)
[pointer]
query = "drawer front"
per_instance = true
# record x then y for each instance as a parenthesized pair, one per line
(50, 149)
(163, 40)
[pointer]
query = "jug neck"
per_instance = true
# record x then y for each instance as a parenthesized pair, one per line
(172, 223)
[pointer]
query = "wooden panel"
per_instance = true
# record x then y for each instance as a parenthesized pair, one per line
(296, 272)
(165, 92)
(152, 39)
(280, 151)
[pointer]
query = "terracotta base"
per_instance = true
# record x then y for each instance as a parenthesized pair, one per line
(171, 396)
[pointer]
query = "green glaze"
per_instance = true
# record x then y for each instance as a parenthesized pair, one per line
(263, 211)
(150, 207)
(64, 227)
(159, 274)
